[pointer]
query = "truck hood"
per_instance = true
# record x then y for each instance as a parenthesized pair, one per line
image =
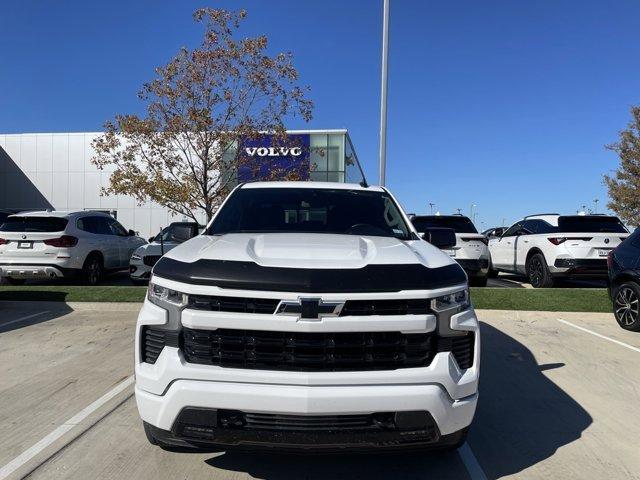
(309, 250)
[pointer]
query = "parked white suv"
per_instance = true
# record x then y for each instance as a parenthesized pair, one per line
(308, 316)
(470, 250)
(146, 256)
(549, 246)
(55, 244)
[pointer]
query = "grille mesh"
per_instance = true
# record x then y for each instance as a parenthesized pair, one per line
(461, 347)
(233, 304)
(254, 349)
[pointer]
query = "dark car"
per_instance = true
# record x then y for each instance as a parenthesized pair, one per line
(624, 282)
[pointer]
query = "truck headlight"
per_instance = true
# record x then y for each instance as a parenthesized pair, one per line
(459, 301)
(163, 296)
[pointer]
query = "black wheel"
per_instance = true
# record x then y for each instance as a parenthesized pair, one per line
(478, 281)
(92, 269)
(538, 273)
(626, 307)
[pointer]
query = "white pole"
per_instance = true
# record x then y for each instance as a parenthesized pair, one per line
(383, 93)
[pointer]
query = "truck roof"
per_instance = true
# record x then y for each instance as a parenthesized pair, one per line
(306, 184)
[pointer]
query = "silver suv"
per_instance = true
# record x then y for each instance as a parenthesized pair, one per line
(55, 244)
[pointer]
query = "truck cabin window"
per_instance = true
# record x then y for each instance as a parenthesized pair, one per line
(310, 210)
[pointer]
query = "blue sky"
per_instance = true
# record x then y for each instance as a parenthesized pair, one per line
(504, 104)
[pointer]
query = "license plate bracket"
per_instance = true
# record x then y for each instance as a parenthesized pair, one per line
(603, 252)
(25, 245)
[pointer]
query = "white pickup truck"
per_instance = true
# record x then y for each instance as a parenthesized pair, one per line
(308, 316)
(546, 247)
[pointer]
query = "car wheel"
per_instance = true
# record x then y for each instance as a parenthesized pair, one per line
(478, 281)
(92, 269)
(626, 306)
(538, 272)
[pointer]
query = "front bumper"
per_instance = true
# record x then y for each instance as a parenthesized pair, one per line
(171, 385)
(449, 416)
(580, 267)
(212, 429)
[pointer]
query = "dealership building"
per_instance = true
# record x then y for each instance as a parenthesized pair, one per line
(41, 171)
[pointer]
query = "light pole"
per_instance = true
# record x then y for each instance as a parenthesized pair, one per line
(431, 205)
(595, 201)
(471, 210)
(383, 93)
(459, 211)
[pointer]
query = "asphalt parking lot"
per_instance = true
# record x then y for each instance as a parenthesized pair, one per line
(559, 399)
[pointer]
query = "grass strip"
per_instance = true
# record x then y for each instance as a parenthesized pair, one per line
(553, 300)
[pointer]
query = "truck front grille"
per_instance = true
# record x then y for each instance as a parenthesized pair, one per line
(264, 350)
(412, 306)
(232, 304)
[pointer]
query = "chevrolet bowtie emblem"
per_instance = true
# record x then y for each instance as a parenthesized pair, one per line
(310, 308)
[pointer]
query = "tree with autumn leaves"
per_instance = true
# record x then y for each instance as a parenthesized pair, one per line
(624, 183)
(184, 153)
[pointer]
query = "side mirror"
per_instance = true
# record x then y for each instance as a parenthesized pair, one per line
(151, 239)
(131, 233)
(441, 238)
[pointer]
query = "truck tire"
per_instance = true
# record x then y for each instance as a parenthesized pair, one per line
(537, 272)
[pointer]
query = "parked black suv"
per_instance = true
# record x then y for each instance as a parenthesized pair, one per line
(624, 282)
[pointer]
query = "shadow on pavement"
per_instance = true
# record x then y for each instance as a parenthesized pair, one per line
(522, 417)
(20, 314)
(366, 466)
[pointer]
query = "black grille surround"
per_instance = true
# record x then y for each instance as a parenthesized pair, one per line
(411, 306)
(461, 347)
(232, 304)
(236, 430)
(320, 352)
(153, 340)
(306, 352)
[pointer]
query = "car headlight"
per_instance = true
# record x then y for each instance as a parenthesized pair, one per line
(164, 297)
(135, 256)
(457, 300)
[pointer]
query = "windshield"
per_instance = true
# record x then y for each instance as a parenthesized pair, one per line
(317, 210)
(595, 223)
(459, 224)
(176, 233)
(33, 224)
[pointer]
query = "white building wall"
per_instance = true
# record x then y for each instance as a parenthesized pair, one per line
(54, 170)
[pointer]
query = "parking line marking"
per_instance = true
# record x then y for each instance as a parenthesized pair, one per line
(31, 452)
(604, 337)
(471, 463)
(23, 318)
